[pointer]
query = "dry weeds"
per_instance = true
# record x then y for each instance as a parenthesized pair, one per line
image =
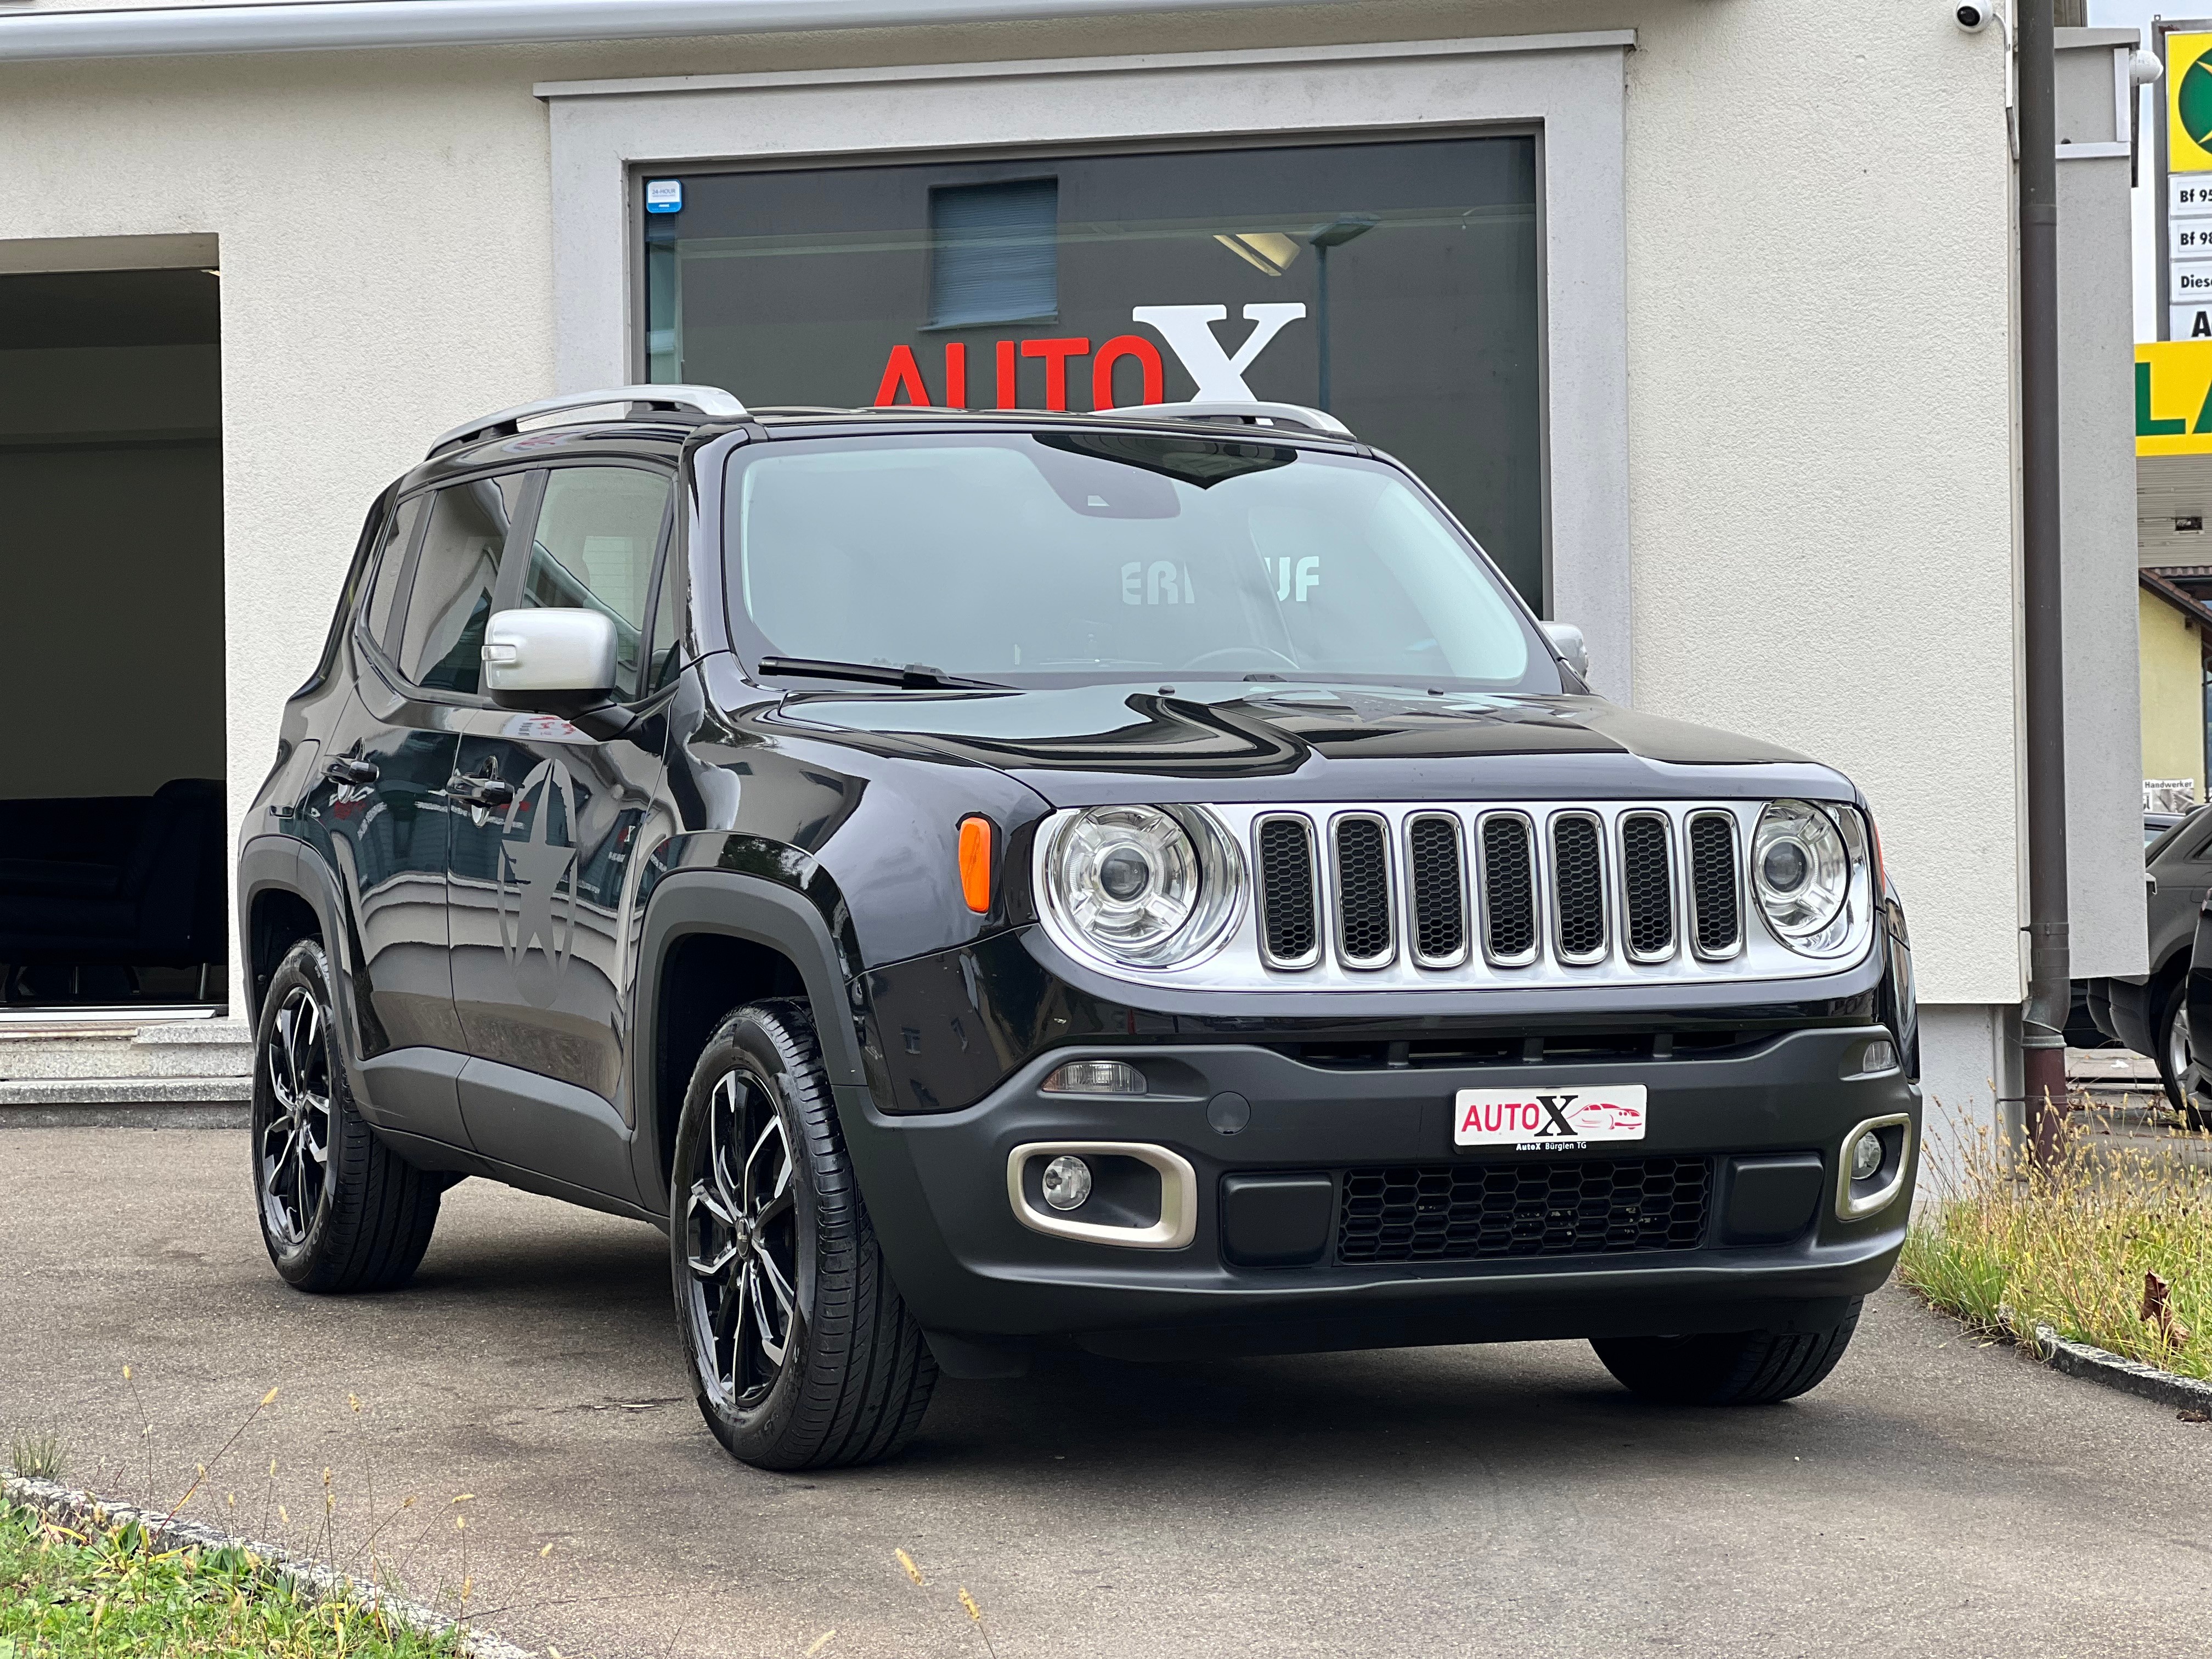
(2113, 1246)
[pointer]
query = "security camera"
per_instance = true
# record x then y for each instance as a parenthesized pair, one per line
(1974, 18)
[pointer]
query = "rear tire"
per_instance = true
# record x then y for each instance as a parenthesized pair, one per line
(340, 1210)
(802, 1353)
(2175, 1068)
(1746, 1368)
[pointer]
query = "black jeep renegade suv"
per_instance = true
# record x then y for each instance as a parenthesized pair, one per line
(982, 879)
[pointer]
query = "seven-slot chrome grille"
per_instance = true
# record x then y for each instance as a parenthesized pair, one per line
(1436, 896)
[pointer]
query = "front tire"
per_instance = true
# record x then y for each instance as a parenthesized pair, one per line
(1745, 1368)
(803, 1354)
(340, 1210)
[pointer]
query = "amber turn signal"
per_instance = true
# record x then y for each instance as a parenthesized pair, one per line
(975, 863)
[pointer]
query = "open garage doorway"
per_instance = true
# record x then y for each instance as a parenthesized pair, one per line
(113, 829)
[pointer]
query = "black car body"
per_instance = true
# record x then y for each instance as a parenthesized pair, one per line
(537, 914)
(2149, 1013)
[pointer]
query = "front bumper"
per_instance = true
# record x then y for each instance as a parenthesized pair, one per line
(937, 1188)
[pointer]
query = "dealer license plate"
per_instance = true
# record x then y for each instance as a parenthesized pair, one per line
(1546, 1119)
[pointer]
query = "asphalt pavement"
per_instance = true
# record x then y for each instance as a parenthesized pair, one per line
(1935, 1497)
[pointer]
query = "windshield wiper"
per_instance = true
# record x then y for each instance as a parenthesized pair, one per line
(914, 676)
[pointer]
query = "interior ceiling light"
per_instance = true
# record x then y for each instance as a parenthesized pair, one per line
(1268, 251)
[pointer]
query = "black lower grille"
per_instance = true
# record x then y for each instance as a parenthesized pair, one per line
(1536, 1208)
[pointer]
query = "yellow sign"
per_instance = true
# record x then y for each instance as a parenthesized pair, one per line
(2188, 103)
(2173, 398)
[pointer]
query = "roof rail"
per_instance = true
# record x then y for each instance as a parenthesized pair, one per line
(1314, 420)
(711, 401)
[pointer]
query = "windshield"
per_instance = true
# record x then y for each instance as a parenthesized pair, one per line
(1061, 557)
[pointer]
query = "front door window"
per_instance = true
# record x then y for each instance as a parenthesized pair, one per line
(598, 532)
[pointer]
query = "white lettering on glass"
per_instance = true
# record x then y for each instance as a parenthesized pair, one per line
(1305, 572)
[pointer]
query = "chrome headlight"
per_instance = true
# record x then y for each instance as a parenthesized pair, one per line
(1150, 886)
(1805, 861)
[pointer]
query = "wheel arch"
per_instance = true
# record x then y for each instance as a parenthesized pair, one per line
(713, 941)
(286, 893)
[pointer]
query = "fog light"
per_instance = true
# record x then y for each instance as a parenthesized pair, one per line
(1866, 1157)
(1067, 1183)
(1096, 1077)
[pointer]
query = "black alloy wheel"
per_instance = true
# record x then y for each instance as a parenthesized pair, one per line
(338, 1209)
(802, 1353)
(293, 1146)
(741, 1221)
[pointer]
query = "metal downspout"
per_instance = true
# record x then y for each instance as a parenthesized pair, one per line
(2050, 983)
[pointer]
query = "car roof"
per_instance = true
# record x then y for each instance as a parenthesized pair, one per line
(660, 440)
(662, 434)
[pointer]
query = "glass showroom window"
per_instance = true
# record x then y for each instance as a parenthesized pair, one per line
(1394, 283)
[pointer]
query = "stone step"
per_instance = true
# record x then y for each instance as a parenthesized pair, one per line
(131, 1115)
(197, 1048)
(123, 1091)
(183, 1048)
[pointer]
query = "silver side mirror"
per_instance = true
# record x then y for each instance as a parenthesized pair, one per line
(1566, 639)
(553, 650)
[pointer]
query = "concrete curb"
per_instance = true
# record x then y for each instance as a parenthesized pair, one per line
(2115, 1371)
(86, 1512)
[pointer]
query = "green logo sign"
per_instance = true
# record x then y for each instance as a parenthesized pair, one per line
(2192, 103)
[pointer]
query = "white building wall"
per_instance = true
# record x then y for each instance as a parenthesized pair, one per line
(1970, 1083)
(2097, 487)
(380, 221)
(1821, 430)
(1816, 254)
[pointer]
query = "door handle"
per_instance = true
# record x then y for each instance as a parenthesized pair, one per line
(351, 773)
(479, 791)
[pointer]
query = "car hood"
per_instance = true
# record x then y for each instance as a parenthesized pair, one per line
(1082, 745)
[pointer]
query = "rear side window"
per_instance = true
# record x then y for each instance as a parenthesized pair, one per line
(597, 536)
(449, 600)
(391, 566)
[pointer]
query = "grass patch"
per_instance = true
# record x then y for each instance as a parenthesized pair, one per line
(39, 1456)
(64, 1596)
(2069, 1248)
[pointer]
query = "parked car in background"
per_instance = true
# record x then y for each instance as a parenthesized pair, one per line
(2157, 823)
(2192, 1071)
(2150, 1015)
